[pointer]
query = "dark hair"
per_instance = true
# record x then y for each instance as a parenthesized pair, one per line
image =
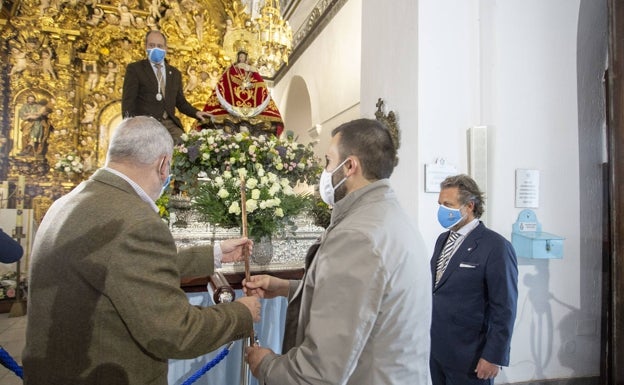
(468, 192)
(242, 51)
(155, 31)
(370, 141)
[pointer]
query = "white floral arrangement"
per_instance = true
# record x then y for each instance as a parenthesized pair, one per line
(69, 164)
(210, 164)
(8, 285)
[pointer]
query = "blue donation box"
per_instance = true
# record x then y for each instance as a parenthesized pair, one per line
(530, 241)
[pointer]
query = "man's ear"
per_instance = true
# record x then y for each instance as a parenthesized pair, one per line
(352, 165)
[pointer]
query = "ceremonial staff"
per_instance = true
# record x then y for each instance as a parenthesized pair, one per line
(244, 366)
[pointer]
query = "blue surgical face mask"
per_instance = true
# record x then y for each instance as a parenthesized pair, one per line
(449, 217)
(165, 185)
(156, 55)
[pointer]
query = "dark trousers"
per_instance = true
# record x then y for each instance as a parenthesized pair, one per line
(441, 375)
(173, 129)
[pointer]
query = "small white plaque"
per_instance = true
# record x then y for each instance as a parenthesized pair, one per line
(435, 173)
(527, 188)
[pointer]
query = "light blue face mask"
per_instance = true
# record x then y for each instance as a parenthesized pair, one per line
(165, 185)
(449, 217)
(156, 55)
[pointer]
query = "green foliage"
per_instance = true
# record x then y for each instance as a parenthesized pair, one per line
(210, 165)
(207, 153)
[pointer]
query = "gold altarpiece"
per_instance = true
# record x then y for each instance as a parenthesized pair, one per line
(63, 62)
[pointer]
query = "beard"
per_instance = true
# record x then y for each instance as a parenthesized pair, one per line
(341, 191)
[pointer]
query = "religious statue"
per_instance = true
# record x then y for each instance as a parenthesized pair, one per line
(20, 61)
(35, 126)
(47, 63)
(241, 95)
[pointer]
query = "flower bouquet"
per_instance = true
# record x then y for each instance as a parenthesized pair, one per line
(209, 166)
(69, 164)
(9, 286)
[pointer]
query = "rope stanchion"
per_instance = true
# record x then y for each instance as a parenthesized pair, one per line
(208, 366)
(8, 362)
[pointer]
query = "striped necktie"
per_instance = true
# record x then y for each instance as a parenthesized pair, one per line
(160, 78)
(445, 256)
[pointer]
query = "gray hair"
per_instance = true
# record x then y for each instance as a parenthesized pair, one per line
(140, 139)
(468, 192)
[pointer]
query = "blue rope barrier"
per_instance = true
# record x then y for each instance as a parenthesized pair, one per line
(8, 362)
(208, 366)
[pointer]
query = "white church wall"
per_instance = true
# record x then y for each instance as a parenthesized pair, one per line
(330, 68)
(444, 66)
(510, 66)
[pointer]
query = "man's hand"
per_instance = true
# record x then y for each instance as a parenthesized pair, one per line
(254, 355)
(486, 370)
(254, 306)
(203, 115)
(232, 249)
(266, 286)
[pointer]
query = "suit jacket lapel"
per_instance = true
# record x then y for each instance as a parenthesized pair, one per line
(465, 248)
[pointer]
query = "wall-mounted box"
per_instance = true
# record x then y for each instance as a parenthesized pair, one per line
(530, 241)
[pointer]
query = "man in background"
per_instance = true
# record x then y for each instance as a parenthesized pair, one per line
(10, 250)
(153, 87)
(104, 301)
(362, 312)
(475, 290)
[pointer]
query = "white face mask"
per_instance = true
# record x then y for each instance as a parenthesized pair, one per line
(326, 188)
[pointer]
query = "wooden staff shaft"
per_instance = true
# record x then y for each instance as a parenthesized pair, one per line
(245, 249)
(244, 225)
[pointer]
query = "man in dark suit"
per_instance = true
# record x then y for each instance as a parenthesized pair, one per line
(10, 250)
(475, 290)
(104, 300)
(153, 87)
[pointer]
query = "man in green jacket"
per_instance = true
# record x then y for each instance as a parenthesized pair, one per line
(104, 302)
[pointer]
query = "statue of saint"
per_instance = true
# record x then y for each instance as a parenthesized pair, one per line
(35, 126)
(241, 94)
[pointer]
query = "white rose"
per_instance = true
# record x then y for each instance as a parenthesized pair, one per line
(227, 174)
(223, 193)
(279, 212)
(205, 156)
(234, 208)
(252, 182)
(184, 137)
(255, 194)
(218, 181)
(252, 205)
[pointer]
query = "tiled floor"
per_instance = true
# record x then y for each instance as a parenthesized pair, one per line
(12, 332)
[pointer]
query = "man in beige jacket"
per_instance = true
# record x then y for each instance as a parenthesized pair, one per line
(361, 314)
(104, 302)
